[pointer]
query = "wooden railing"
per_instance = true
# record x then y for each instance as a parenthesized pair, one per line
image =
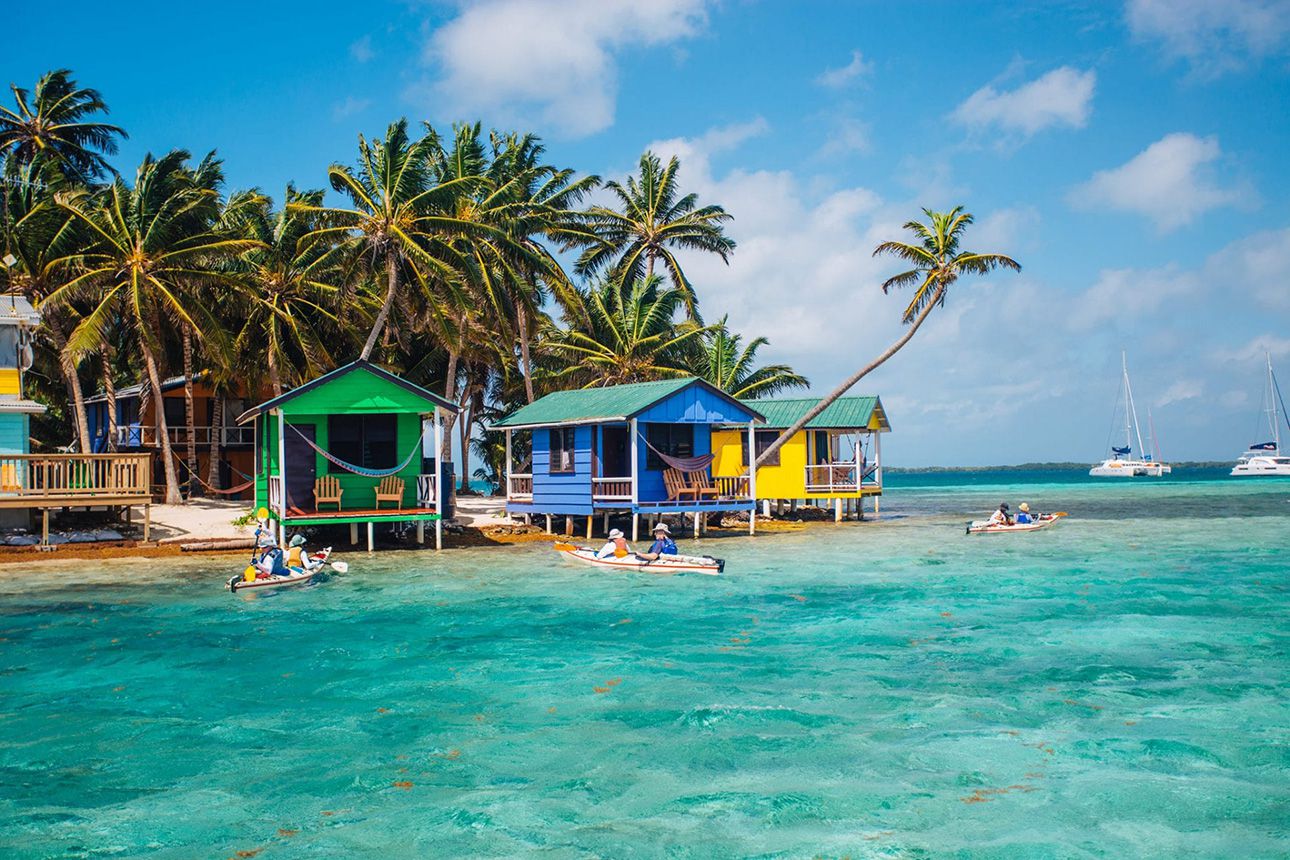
(838, 478)
(275, 492)
(521, 487)
(732, 488)
(145, 435)
(427, 491)
(611, 489)
(79, 475)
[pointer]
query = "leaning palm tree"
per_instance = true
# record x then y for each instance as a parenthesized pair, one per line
(654, 222)
(630, 336)
(397, 221)
(936, 263)
(723, 360)
(153, 245)
(55, 122)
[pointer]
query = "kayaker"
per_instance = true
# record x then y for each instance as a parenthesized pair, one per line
(272, 561)
(616, 544)
(298, 556)
(1001, 517)
(663, 543)
(1023, 514)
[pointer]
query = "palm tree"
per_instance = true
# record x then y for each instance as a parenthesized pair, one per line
(724, 361)
(630, 336)
(153, 245)
(54, 122)
(37, 233)
(396, 223)
(288, 317)
(936, 263)
(653, 222)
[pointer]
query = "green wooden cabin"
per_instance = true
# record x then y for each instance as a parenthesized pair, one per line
(358, 417)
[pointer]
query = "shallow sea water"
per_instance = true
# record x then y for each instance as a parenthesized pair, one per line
(1113, 687)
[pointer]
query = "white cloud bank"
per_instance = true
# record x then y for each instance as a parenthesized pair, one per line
(1213, 36)
(840, 77)
(1171, 182)
(549, 61)
(1062, 97)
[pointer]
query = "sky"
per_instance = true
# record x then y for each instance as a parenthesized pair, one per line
(1131, 156)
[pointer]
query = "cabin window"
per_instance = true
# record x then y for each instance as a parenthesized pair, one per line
(176, 413)
(764, 440)
(368, 441)
(674, 440)
(561, 451)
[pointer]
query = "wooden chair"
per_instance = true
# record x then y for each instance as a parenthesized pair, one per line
(327, 491)
(677, 488)
(701, 483)
(390, 490)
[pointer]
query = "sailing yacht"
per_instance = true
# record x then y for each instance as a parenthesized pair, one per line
(1121, 463)
(1264, 458)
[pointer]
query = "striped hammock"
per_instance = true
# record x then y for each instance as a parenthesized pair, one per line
(684, 464)
(360, 470)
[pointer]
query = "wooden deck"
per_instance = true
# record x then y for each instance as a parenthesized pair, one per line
(381, 515)
(42, 482)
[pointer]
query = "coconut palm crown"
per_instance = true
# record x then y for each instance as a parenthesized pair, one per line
(55, 122)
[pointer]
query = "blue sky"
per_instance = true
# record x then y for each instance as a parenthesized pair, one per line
(1132, 156)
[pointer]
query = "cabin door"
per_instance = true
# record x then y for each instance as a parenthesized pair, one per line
(301, 466)
(615, 460)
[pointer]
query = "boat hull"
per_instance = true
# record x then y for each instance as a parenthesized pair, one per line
(297, 577)
(632, 562)
(985, 527)
(1129, 469)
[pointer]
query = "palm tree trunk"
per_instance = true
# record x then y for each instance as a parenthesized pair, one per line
(109, 391)
(217, 434)
(392, 278)
(190, 417)
(449, 390)
(526, 361)
(852, 379)
(74, 393)
(163, 431)
(275, 376)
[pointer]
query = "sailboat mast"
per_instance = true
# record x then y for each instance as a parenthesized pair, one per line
(1130, 412)
(1272, 403)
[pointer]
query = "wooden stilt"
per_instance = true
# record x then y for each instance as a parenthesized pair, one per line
(438, 534)
(696, 525)
(353, 534)
(635, 526)
(792, 506)
(371, 536)
(875, 506)
(568, 526)
(548, 524)
(590, 518)
(837, 510)
(421, 531)
(605, 523)
(147, 523)
(752, 521)
(44, 526)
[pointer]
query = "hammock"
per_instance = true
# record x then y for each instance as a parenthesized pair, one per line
(684, 464)
(230, 491)
(360, 470)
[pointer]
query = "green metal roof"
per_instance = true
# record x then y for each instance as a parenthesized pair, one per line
(843, 413)
(611, 403)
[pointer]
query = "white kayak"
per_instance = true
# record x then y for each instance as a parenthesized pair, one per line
(985, 527)
(296, 577)
(665, 564)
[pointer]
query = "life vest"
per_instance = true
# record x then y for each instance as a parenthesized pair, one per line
(294, 557)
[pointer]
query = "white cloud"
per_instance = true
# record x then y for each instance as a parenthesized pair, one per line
(1061, 97)
(552, 62)
(349, 107)
(840, 77)
(1213, 36)
(1183, 389)
(361, 49)
(1171, 182)
(1257, 266)
(1128, 294)
(848, 137)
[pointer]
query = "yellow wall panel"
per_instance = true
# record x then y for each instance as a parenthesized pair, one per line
(9, 382)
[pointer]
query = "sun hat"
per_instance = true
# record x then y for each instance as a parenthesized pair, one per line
(662, 527)
(615, 533)
(1003, 506)
(1025, 507)
(297, 540)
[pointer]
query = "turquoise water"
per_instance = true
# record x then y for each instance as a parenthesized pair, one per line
(1113, 687)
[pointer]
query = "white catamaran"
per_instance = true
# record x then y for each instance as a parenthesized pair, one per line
(1264, 458)
(1121, 463)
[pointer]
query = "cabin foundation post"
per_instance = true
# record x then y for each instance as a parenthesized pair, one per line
(353, 534)
(548, 524)
(44, 526)
(875, 506)
(371, 536)
(568, 525)
(590, 519)
(635, 526)
(421, 531)
(696, 525)
(752, 521)
(792, 506)
(605, 522)
(837, 510)
(438, 534)
(147, 523)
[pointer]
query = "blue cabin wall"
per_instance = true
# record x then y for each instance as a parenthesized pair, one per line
(562, 493)
(695, 405)
(96, 421)
(649, 482)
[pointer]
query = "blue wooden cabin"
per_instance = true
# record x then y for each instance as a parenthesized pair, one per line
(616, 450)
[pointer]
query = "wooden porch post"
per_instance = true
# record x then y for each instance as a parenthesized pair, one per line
(837, 510)
(353, 534)
(548, 524)
(752, 477)
(371, 537)
(438, 533)
(282, 477)
(590, 518)
(147, 523)
(506, 491)
(635, 480)
(438, 468)
(421, 532)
